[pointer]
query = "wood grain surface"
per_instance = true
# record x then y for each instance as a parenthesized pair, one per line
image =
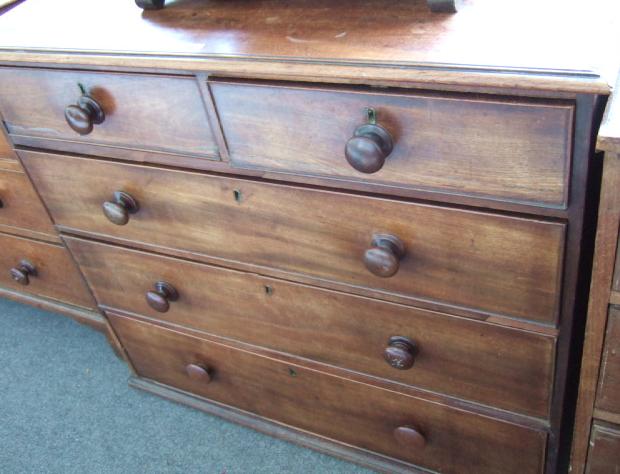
(484, 43)
(57, 275)
(340, 409)
(501, 149)
(484, 261)
(21, 206)
(506, 368)
(142, 112)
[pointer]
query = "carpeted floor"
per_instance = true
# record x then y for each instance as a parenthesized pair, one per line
(65, 407)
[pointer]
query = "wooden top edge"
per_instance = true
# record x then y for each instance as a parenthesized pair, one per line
(609, 133)
(381, 73)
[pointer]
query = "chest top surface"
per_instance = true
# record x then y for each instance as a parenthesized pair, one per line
(561, 45)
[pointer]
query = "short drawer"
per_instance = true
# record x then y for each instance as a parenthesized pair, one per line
(495, 365)
(20, 206)
(604, 454)
(499, 148)
(42, 269)
(141, 112)
(449, 441)
(492, 263)
(608, 396)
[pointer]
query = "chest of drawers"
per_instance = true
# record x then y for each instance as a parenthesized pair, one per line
(362, 239)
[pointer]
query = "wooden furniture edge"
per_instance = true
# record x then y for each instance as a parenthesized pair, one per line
(297, 69)
(284, 432)
(91, 318)
(609, 133)
(600, 294)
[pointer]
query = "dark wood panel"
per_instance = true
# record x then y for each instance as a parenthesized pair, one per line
(20, 206)
(502, 367)
(55, 274)
(500, 149)
(347, 411)
(608, 396)
(142, 112)
(488, 262)
(604, 453)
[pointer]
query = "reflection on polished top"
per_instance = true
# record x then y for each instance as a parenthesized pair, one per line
(498, 37)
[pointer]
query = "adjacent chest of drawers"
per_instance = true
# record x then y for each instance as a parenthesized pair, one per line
(388, 269)
(596, 447)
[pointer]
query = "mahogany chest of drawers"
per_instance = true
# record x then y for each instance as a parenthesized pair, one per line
(362, 239)
(596, 446)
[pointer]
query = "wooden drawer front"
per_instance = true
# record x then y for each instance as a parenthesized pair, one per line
(344, 410)
(21, 207)
(604, 454)
(501, 149)
(506, 368)
(608, 397)
(142, 112)
(488, 262)
(56, 275)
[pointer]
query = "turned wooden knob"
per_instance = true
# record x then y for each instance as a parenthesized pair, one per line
(369, 147)
(384, 255)
(22, 272)
(400, 352)
(199, 373)
(409, 437)
(151, 4)
(118, 210)
(84, 115)
(160, 299)
(444, 6)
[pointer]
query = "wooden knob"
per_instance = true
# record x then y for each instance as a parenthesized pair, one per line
(444, 6)
(82, 116)
(151, 4)
(383, 257)
(22, 272)
(409, 437)
(160, 299)
(118, 210)
(199, 373)
(369, 147)
(400, 352)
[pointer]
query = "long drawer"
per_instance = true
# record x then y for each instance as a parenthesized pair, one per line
(491, 263)
(42, 269)
(428, 434)
(502, 367)
(20, 206)
(141, 112)
(499, 148)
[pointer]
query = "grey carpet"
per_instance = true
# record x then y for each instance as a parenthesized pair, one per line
(65, 407)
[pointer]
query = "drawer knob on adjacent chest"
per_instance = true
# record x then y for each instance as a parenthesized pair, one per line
(22, 272)
(160, 299)
(384, 255)
(400, 352)
(118, 210)
(409, 437)
(199, 373)
(369, 147)
(84, 115)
